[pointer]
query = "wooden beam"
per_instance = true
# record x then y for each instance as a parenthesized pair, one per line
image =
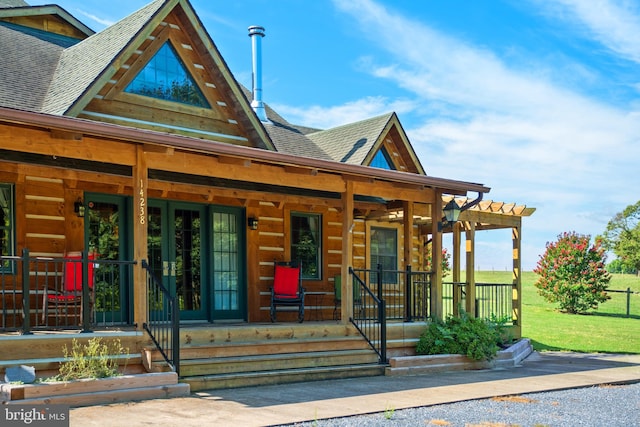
(494, 218)
(394, 191)
(517, 281)
(140, 218)
(471, 265)
(408, 233)
(182, 162)
(347, 252)
(436, 263)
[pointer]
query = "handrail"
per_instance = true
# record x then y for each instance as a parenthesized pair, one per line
(32, 292)
(369, 314)
(163, 316)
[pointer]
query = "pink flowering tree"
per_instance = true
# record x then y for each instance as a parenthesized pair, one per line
(572, 273)
(446, 260)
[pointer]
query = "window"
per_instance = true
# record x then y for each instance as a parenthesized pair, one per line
(6, 223)
(306, 237)
(382, 160)
(384, 250)
(165, 77)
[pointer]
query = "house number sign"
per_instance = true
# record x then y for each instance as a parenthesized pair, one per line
(143, 204)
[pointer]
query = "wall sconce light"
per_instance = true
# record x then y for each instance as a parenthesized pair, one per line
(451, 214)
(78, 207)
(252, 223)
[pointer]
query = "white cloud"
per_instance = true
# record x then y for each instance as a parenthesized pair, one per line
(528, 137)
(102, 21)
(328, 117)
(614, 24)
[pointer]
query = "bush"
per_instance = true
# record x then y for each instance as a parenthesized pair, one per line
(92, 360)
(478, 339)
(572, 273)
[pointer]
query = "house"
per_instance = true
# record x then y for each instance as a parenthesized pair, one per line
(136, 145)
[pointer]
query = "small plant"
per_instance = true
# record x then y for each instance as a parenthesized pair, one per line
(92, 360)
(388, 413)
(476, 338)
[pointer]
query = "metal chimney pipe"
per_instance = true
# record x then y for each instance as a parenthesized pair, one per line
(256, 33)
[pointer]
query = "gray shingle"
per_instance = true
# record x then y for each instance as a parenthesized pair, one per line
(83, 63)
(24, 79)
(13, 3)
(352, 142)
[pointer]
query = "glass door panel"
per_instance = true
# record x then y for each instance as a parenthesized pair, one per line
(229, 284)
(106, 220)
(174, 237)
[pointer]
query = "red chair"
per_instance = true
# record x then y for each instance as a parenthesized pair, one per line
(287, 290)
(67, 302)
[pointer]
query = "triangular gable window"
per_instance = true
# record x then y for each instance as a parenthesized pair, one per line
(166, 77)
(381, 160)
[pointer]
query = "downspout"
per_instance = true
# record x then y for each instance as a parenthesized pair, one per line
(472, 203)
(257, 33)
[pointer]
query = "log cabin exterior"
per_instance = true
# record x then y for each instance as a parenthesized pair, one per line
(100, 156)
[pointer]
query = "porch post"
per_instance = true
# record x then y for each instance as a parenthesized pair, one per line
(436, 258)
(407, 221)
(455, 269)
(346, 307)
(140, 218)
(517, 280)
(471, 266)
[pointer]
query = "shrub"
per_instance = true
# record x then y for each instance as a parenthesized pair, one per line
(92, 360)
(478, 339)
(572, 273)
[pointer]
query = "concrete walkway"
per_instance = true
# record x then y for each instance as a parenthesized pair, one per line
(291, 403)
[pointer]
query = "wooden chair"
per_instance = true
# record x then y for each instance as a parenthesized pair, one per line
(287, 288)
(66, 303)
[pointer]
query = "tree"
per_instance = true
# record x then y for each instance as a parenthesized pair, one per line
(572, 273)
(622, 236)
(446, 260)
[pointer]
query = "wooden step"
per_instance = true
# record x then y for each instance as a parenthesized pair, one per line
(261, 363)
(208, 335)
(282, 376)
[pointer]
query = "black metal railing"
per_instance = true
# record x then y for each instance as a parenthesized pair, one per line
(418, 295)
(494, 301)
(454, 297)
(72, 292)
(369, 315)
(163, 319)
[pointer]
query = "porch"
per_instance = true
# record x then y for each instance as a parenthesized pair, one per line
(389, 309)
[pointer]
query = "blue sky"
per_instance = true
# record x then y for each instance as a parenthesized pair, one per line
(537, 99)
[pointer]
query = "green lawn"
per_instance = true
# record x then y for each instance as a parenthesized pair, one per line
(605, 330)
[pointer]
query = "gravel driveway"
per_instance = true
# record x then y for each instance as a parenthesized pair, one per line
(611, 406)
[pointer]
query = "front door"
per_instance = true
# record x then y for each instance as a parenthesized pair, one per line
(107, 235)
(175, 245)
(197, 251)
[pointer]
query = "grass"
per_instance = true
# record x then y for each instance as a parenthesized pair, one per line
(605, 330)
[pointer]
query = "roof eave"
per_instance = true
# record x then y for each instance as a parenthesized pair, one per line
(123, 133)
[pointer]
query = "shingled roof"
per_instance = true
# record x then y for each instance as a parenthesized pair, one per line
(24, 79)
(355, 139)
(60, 72)
(83, 63)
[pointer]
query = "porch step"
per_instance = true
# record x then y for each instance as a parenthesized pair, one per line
(248, 355)
(271, 362)
(282, 376)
